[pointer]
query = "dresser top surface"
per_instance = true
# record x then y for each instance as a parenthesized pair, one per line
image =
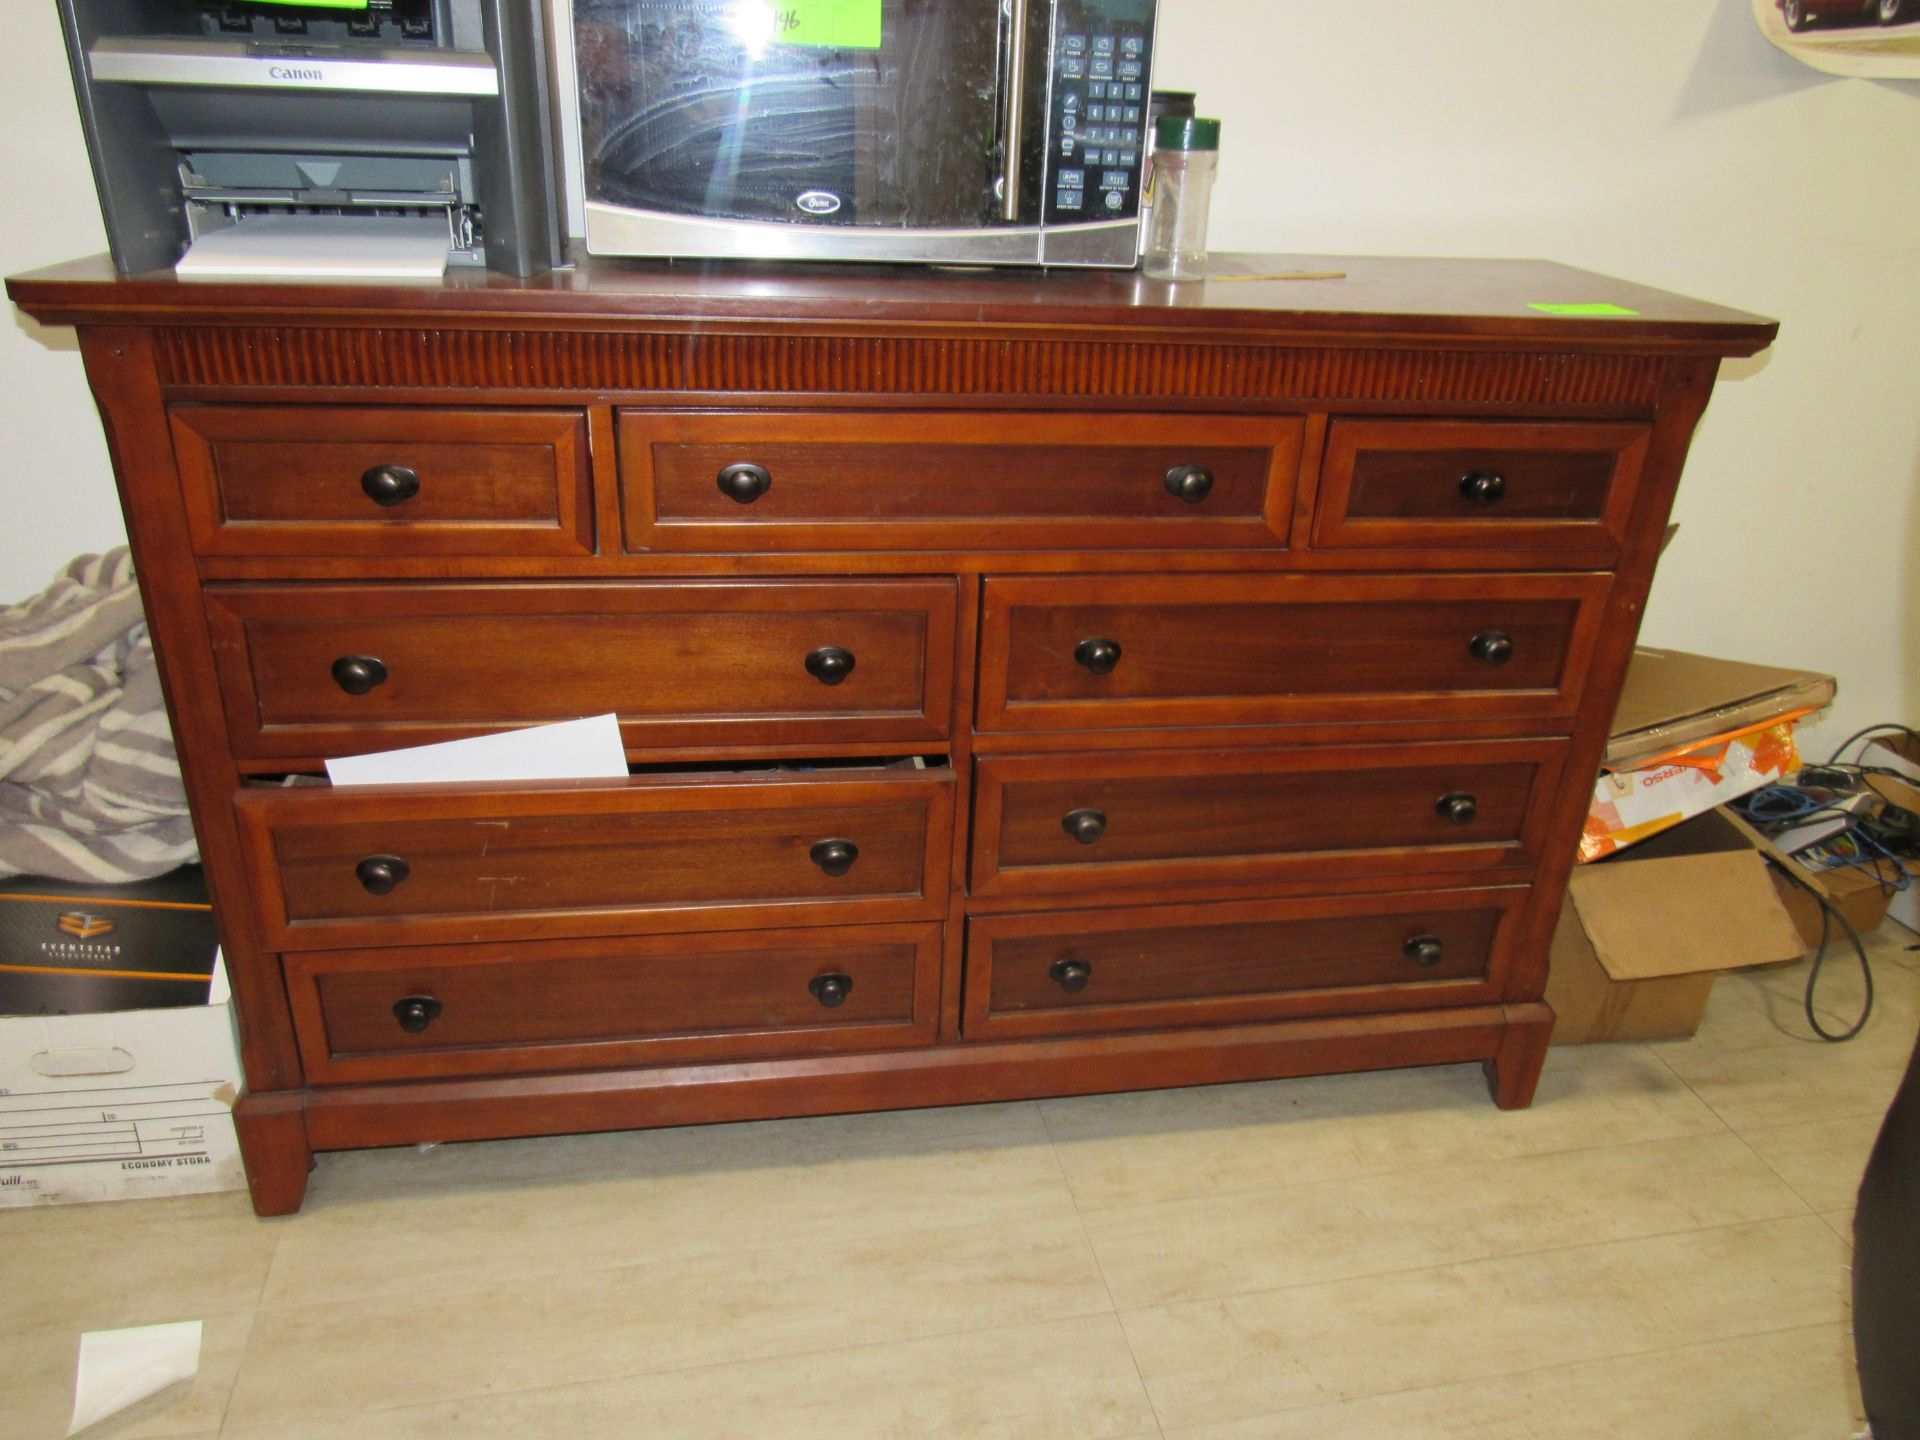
(1530, 302)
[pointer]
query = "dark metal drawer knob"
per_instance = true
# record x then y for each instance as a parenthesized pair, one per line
(1070, 975)
(416, 1012)
(830, 664)
(836, 857)
(357, 674)
(1426, 951)
(831, 990)
(382, 874)
(1191, 483)
(1458, 807)
(1086, 826)
(745, 483)
(1483, 487)
(1099, 656)
(390, 484)
(1491, 647)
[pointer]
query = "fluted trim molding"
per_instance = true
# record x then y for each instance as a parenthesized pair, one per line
(638, 361)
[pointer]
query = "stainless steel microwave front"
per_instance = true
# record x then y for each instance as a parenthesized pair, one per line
(945, 131)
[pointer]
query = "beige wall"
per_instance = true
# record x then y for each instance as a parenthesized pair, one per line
(1663, 140)
(56, 491)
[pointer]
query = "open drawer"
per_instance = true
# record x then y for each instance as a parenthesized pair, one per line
(701, 850)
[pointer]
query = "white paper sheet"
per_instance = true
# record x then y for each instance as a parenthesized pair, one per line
(587, 749)
(332, 247)
(120, 1368)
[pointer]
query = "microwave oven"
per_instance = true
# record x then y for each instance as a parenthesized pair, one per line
(983, 132)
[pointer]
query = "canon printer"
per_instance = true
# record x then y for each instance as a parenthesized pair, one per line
(318, 137)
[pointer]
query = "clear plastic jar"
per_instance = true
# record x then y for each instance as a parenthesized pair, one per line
(1186, 153)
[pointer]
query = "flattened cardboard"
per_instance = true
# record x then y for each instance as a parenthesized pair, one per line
(1672, 699)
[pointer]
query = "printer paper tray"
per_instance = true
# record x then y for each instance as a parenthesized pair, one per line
(322, 246)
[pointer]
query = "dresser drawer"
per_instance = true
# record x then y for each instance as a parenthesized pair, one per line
(390, 865)
(1173, 965)
(1109, 652)
(956, 480)
(1562, 490)
(324, 480)
(647, 1000)
(1142, 821)
(343, 669)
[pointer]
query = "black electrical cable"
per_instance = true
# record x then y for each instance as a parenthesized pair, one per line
(1828, 914)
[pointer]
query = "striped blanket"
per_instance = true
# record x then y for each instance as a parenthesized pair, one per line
(89, 787)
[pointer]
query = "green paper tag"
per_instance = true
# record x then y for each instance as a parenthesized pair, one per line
(832, 24)
(1591, 307)
(323, 4)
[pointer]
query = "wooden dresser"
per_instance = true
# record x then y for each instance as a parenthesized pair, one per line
(1032, 685)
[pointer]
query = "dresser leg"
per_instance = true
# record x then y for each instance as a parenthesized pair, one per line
(273, 1145)
(1514, 1070)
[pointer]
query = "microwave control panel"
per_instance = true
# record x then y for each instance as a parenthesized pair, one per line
(1097, 119)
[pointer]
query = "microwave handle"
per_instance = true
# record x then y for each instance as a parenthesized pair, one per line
(1014, 114)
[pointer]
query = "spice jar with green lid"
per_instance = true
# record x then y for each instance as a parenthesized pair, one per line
(1186, 152)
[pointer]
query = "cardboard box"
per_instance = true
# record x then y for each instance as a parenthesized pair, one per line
(1672, 700)
(70, 949)
(1642, 935)
(99, 1104)
(1590, 1006)
(1905, 907)
(1692, 732)
(1866, 894)
(1634, 805)
(1901, 792)
(1900, 753)
(1894, 752)
(122, 1106)
(1862, 896)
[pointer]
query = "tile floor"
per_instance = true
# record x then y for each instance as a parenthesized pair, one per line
(1657, 1249)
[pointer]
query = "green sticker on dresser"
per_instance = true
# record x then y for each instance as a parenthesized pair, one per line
(1586, 308)
(833, 24)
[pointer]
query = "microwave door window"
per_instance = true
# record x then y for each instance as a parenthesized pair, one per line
(700, 108)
